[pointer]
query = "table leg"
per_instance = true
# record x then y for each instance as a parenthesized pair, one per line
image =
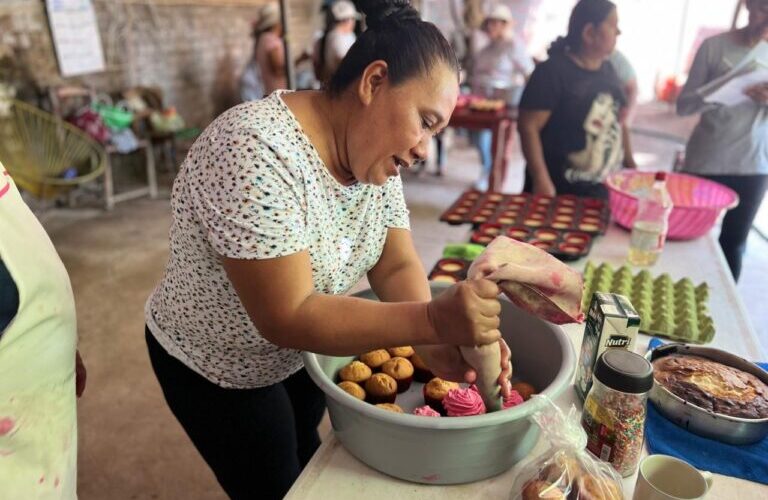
(498, 148)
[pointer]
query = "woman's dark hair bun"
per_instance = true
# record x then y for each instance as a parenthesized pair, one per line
(379, 12)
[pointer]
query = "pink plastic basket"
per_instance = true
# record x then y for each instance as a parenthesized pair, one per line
(698, 203)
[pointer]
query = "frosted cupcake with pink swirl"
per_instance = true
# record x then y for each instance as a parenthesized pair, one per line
(463, 403)
(514, 399)
(426, 411)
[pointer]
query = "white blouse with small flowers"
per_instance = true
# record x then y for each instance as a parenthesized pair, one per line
(254, 187)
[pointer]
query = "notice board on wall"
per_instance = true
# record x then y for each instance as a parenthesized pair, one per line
(75, 36)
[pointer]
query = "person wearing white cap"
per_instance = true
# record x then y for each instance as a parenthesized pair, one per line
(337, 39)
(498, 70)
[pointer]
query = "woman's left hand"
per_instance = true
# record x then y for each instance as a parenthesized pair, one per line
(446, 362)
(758, 93)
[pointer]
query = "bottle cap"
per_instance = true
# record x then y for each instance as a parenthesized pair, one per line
(624, 371)
(660, 176)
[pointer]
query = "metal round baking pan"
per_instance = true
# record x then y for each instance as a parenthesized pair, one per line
(733, 430)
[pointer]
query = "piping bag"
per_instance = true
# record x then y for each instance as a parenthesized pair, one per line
(533, 280)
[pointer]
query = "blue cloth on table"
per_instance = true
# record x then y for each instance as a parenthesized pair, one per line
(748, 462)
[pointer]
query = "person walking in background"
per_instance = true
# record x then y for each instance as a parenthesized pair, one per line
(730, 143)
(41, 372)
(498, 70)
(265, 71)
(338, 37)
(570, 121)
(628, 78)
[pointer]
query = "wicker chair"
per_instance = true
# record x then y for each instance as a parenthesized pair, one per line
(45, 155)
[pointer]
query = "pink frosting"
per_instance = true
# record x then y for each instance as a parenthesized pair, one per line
(463, 403)
(514, 399)
(426, 411)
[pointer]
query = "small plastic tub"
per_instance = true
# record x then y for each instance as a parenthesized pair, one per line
(533, 222)
(544, 245)
(506, 220)
(591, 228)
(590, 220)
(592, 212)
(592, 203)
(577, 238)
(481, 239)
(566, 200)
(561, 225)
(564, 210)
(479, 219)
(518, 233)
(545, 235)
(570, 248)
(455, 217)
(451, 265)
(444, 278)
(490, 229)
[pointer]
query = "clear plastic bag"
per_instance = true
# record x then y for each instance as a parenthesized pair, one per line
(566, 470)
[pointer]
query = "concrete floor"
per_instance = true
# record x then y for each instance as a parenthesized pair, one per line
(131, 447)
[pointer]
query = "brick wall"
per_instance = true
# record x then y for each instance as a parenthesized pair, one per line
(193, 50)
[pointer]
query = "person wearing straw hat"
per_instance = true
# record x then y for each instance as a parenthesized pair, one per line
(498, 70)
(269, 51)
(337, 39)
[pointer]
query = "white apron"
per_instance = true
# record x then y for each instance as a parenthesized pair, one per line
(38, 420)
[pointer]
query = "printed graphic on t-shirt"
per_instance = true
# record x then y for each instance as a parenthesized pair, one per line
(603, 150)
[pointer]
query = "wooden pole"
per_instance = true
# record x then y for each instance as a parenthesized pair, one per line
(739, 5)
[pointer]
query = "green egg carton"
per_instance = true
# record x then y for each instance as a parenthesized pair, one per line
(676, 310)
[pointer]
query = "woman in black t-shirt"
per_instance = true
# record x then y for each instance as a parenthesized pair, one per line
(571, 113)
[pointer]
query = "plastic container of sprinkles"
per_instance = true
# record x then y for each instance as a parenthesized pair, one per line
(615, 409)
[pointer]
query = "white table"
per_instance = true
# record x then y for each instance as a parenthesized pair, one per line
(334, 473)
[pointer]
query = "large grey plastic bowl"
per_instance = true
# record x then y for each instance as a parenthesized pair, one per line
(454, 449)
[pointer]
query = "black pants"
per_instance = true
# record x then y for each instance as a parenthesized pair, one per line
(737, 222)
(256, 441)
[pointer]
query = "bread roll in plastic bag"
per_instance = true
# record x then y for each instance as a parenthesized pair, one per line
(566, 471)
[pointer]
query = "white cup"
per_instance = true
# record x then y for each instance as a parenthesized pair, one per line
(667, 478)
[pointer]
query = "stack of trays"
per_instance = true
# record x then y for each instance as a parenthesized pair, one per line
(450, 270)
(674, 310)
(562, 213)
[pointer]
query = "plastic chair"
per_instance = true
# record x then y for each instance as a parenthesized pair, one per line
(46, 156)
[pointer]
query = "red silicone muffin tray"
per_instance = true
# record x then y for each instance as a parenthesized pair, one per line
(563, 213)
(450, 270)
(565, 245)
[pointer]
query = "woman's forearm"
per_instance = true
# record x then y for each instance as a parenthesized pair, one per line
(629, 159)
(533, 151)
(344, 326)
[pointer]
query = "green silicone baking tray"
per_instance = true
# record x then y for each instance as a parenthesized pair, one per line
(676, 310)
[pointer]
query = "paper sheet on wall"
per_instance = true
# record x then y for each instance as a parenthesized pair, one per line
(75, 36)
